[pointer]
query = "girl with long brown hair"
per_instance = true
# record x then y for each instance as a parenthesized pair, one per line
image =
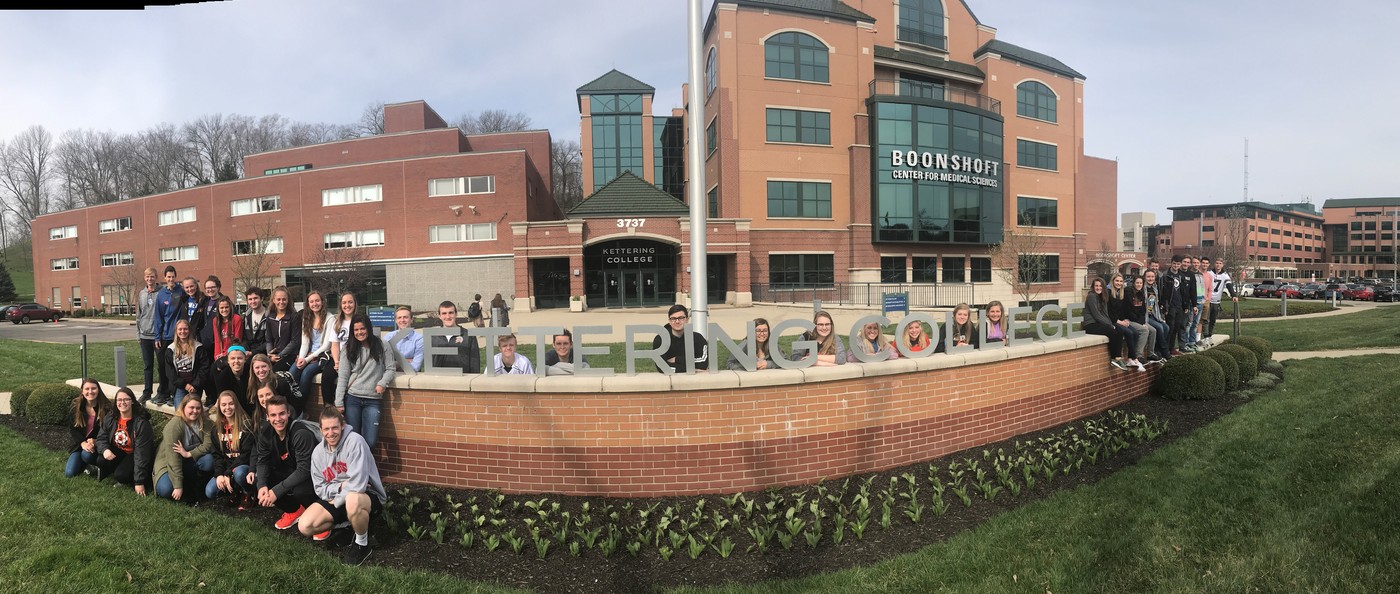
(88, 410)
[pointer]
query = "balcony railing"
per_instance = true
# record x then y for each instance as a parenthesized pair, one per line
(902, 87)
(866, 294)
(924, 38)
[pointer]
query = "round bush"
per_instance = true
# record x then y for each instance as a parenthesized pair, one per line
(49, 404)
(20, 396)
(1191, 378)
(1263, 349)
(1249, 364)
(1228, 365)
(1273, 368)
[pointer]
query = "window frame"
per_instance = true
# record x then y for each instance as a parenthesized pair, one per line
(1038, 222)
(63, 232)
(465, 232)
(792, 40)
(1030, 94)
(1038, 158)
(116, 223)
(267, 248)
(257, 204)
(179, 253)
(118, 259)
(354, 193)
(54, 264)
(803, 270)
(177, 216)
(801, 187)
(797, 126)
(354, 239)
(462, 186)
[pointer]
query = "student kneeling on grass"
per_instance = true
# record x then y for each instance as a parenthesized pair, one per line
(347, 485)
(184, 455)
(283, 463)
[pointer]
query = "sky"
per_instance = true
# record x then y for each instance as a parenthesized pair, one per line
(1172, 91)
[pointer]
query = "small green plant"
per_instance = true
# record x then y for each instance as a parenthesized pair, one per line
(416, 532)
(468, 539)
(492, 542)
(724, 548)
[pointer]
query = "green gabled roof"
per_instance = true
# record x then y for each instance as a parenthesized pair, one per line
(824, 8)
(629, 195)
(1027, 57)
(1362, 202)
(615, 82)
(921, 59)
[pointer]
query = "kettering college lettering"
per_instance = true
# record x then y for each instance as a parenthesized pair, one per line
(949, 163)
(630, 255)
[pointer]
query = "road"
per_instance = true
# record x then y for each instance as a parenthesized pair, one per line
(69, 331)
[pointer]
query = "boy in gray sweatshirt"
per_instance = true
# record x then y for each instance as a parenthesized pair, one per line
(347, 485)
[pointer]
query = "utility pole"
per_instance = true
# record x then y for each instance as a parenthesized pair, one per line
(695, 163)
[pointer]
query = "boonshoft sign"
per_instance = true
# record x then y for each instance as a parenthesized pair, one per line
(806, 350)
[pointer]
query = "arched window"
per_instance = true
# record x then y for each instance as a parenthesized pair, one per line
(1035, 100)
(711, 74)
(921, 22)
(795, 56)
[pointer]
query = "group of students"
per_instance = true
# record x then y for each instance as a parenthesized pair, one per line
(1161, 315)
(831, 349)
(320, 476)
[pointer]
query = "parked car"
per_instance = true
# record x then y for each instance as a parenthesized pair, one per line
(1385, 292)
(1290, 290)
(1359, 292)
(1245, 290)
(1265, 288)
(1333, 290)
(1312, 291)
(25, 313)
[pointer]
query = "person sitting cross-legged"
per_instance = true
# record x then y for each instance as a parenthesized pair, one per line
(347, 485)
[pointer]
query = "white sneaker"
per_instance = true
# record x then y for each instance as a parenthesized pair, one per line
(1139, 365)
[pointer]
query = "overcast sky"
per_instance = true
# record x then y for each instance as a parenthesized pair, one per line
(1173, 89)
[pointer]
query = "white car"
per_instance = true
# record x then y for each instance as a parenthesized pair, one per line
(1246, 290)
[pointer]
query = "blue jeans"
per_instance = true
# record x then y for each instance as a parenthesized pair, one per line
(1163, 345)
(1191, 334)
(306, 375)
(204, 464)
(240, 481)
(362, 414)
(77, 461)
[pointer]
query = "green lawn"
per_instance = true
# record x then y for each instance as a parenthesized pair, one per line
(23, 362)
(1378, 327)
(1271, 308)
(1298, 491)
(19, 261)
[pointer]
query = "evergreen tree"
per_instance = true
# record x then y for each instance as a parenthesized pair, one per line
(7, 285)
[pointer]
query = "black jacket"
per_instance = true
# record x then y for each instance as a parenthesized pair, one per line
(289, 458)
(223, 378)
(255, 335)
(224, 460)
(197, 319)
(1120, 308)
(78, 435)
(283, 336)
(198, 376)
(144, 450)
(468, 357)
(677, 350)
(941, 346)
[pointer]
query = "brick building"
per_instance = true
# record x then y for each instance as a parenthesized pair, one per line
(1272, 240)
(418, 214)
(1361, 237)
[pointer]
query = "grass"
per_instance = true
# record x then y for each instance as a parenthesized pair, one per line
(18, 259)
(1270, 308)
(78, 535)
(1368, 328)
(1298, 491)
(23, 362)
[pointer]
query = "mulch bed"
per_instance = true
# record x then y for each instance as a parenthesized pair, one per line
(621, 572)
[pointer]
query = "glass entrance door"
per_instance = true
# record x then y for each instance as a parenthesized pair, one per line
(612, 289)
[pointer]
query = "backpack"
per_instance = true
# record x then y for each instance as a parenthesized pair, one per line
(474, 311)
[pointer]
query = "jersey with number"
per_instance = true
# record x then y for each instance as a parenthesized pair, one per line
(1218, 287)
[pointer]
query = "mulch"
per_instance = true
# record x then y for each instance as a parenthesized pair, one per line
(646, 572)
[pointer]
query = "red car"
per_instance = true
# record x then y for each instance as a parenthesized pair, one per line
(1359, 293)
(1292, 291)
(1265, 289)
(25, 313)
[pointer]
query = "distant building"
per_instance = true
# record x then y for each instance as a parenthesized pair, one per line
(1132, 234)
(1362, 236)
(1263, 240)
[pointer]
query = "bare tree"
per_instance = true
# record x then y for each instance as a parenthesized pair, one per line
(91, 167)
(125, 283)
(26, 170)
(1231, 244)
(494, 120)
(567, 163)
(212, 155)
(371, 121)
(336, 270)
(156, 159)
(1021, 261)
(255, 258)
(300, 134)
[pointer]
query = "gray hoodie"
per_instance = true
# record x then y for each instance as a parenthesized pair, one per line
(359, 377)
(348, 469)
(146, 314)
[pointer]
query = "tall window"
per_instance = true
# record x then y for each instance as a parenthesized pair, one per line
(799, 199)
(982, 270)
(179, 215)
(925, 269)
(1039, 155)
(805, 127)
(617, 136)
(352, 195)
(801, 270)
(1037, 212)
(953, 269)
(921, 22)
(796, 56)
(1038, 268)
(711, 137)
(668, 153)
(1035, 100)
(713, 198)
(892, 269)
(711, 74)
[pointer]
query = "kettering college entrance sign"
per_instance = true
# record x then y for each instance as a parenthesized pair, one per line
(805, 350)
(929, 166)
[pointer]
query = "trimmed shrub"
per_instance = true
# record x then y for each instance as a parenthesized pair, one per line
(1191, 378)
(1249, 364)
(1262, 381)
(1273, 368)
(1228, 365)
(49, 404)
(1263, 349)
(20, 397)
(158, 421)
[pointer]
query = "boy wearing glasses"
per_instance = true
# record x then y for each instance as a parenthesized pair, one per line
(560, 360)
(674, 356)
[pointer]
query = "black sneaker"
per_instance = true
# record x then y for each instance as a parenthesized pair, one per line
(355, 554)
(144, 399)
